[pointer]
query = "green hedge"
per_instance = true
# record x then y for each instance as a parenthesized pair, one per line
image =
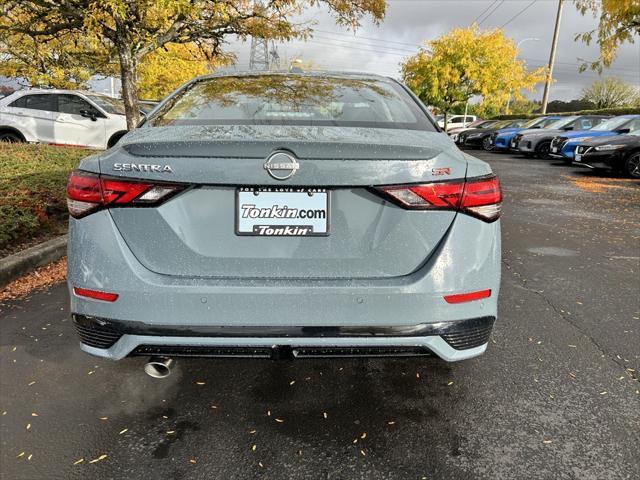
(602, 111)
(33, 182)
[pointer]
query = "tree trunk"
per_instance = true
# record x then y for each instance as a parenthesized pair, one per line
(128, 66)
(446, 117)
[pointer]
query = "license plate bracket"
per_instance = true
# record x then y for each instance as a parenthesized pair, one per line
(282, 212)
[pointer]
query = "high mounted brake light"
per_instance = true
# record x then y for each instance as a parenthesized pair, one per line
(88, 192)
(480, 197)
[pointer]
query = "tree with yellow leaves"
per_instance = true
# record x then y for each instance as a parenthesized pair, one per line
(619, 23)
(129, 30)
(165, 69)
(468, 62)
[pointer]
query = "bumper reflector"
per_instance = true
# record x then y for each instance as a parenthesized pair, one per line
(95, 294)
(467, 297)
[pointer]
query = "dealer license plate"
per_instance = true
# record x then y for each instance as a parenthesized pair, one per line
(282, 211)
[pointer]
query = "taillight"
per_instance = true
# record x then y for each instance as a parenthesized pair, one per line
(480, 197)
(88, 192)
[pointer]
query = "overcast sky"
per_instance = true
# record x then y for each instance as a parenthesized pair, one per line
(380, 49)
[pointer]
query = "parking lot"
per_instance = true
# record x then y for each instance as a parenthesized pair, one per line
(555, 396)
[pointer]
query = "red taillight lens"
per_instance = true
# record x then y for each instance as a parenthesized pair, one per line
(480, 197)
(467, 297)
(87, 192)
(95, 294)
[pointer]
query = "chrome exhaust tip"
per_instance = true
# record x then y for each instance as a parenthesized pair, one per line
(159, 367)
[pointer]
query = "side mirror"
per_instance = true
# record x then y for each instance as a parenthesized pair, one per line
(89, 114)
(568, 128)
(623, 130)
(536, 126)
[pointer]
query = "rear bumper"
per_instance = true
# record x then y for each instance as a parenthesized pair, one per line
(100, 259)
(455, 340)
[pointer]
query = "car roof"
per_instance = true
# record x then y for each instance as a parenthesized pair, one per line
(54, 91)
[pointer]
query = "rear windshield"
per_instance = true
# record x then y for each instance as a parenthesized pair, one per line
(293, 100)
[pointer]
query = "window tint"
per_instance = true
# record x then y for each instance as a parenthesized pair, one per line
(455, 120)
(73, 104)
(19, 103)
(293, 100)
(35, 102)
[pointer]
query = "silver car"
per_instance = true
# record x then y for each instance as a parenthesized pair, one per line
(295, 215)
(538, 141)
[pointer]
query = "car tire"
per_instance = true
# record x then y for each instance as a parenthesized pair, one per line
(632, 165)
(10, 137)
(487, 144)
(542, 150)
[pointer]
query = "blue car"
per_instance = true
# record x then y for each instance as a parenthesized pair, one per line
(503, 137)
(564, 146)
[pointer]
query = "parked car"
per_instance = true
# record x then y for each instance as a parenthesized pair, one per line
(457, 121)
(502, 138)
(481, 137)
(563, 146)
(538, 141)
(454, 132)
(620, 153)
(229, 223)
(62, 117)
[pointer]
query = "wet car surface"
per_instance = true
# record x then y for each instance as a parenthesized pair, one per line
(555, 395)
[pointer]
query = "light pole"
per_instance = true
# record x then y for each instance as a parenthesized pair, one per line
(514, 58)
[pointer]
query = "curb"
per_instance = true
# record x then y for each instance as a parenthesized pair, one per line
(16, 265)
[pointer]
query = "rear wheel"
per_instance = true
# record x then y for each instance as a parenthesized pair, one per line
(632, 165)
(487, 144)
(543, 150)
(10, 137)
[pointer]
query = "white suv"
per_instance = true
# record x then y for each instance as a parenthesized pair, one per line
(456, 121)
(62, 117)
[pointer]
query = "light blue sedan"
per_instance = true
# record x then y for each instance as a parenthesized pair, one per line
(284, 215)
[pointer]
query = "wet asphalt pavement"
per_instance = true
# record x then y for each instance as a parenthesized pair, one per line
(556, 396)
